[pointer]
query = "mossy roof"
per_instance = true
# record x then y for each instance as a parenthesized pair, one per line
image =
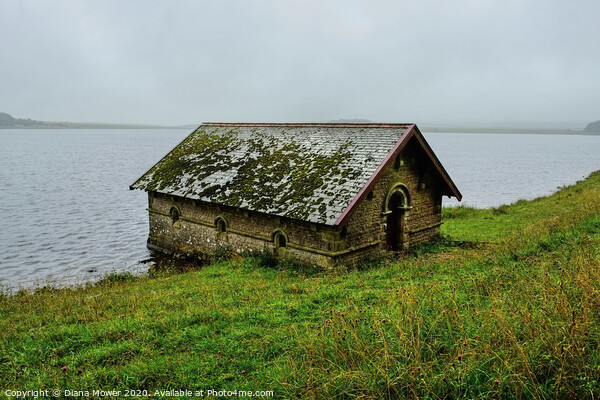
(310, 172)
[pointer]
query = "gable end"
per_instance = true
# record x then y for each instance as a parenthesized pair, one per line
(450, 188)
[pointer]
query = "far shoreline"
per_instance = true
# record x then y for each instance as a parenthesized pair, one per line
(74, 126)
(424, 129)
(510, 131)
(9, 122)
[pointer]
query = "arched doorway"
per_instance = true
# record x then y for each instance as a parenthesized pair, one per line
(396, 207)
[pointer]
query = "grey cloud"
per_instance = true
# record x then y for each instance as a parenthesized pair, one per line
(461, 62)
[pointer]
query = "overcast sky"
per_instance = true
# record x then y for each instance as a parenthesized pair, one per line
(476, 62)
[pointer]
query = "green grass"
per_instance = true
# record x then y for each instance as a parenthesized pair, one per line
(505, 305)
(504, 222)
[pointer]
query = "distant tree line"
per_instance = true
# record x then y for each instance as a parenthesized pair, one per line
(593, 127)
(7, 120)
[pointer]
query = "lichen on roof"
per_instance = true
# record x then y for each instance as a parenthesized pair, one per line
(306, 172)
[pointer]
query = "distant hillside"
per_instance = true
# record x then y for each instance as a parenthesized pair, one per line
(7, 121)
(350, 121)
(593, 127)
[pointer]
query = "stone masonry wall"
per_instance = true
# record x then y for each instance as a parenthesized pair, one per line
(422, 222)
(196, 232)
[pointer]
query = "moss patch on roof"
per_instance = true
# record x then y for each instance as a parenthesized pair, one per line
(309, 173)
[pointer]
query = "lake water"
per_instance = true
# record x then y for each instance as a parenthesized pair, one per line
(495, 169)
(68, 215)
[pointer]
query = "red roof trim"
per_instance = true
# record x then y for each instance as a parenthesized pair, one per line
(438, 165)
(311, 124)
(373, 179)
(412, 131)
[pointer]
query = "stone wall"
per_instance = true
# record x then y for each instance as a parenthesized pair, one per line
(414, 170)
(195, 231)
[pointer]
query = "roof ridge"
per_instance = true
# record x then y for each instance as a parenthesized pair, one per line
(312, 124)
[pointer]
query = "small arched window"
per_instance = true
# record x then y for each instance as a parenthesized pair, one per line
(398, 162)
(175, 215)
(344, 232)
(221, 225)
(280, 241)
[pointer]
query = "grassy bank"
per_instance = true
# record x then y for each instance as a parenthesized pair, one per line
(506, 305)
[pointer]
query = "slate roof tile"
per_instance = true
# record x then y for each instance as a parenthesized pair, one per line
(304, 171)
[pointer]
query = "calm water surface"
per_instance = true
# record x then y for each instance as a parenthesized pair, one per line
(69, 217)
(68, 213)
(495, 169)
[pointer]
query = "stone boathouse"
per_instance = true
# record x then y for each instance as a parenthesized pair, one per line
(322, 194)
